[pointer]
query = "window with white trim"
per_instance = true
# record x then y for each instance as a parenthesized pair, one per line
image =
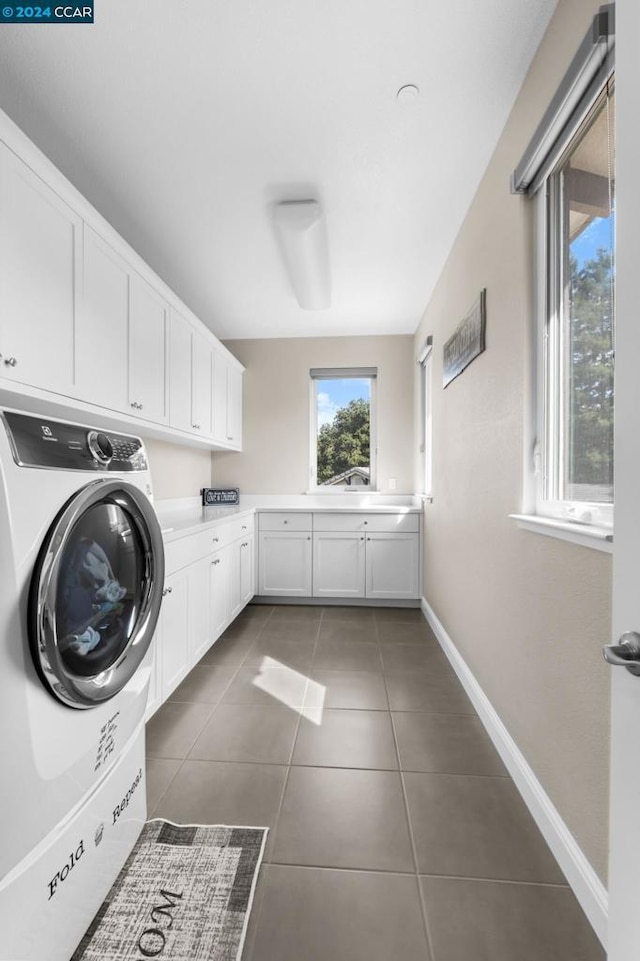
(343, 429)
(569, 169)
(426, 448)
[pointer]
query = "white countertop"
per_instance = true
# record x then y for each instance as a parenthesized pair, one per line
(182, 516)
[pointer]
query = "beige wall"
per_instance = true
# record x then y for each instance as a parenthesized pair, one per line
(528, 613)
(177, 471)
(276, 418)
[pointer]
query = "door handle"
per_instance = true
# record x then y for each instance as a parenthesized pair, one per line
(626, 653)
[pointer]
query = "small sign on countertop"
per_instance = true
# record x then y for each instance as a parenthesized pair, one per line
(217, 496)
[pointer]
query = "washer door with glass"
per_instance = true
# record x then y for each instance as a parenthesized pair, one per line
(95, 593)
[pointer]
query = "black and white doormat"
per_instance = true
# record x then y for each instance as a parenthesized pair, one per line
(184, 894)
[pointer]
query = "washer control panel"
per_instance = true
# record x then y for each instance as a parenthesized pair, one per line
(56, 445)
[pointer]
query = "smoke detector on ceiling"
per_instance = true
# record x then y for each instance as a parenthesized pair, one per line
(408, 92)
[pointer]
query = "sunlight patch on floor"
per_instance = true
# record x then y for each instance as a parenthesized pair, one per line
(291, 688)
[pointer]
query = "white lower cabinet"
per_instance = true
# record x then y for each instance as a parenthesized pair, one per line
(357, 554)
(219, 591)
(392, 565)
(199, 611)
(199, 600)
(285, 563)
(247, 570)
(338, 564)
(173, 631)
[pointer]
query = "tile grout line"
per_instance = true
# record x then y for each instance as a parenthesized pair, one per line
(414, 852)
(276, 821)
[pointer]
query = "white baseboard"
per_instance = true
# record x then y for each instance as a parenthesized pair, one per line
(585, 883)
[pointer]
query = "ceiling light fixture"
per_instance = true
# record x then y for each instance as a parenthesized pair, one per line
(302, 235)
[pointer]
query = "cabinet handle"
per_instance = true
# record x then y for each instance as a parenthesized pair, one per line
(214, 540)
(362, 538)
(365, 523)
(308, 538)
(196, 426)
(167, 590)
(285, 522)
(10, 362)
(229, 437)
(244, 527)
(368, 538)
(135, 405)
(217, 561)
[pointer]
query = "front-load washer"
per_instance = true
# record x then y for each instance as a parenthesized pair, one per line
(81, 577)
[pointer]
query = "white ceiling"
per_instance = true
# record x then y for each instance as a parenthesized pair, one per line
(184, 121)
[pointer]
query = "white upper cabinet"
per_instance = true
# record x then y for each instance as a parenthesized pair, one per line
(40, 265)
(180, 373)
(148, 323)
(103, 328)
(190, 373)
(121, 336)
(201, 394)
(234, 406)
(227, 402)
(85, 318)
(219, 397)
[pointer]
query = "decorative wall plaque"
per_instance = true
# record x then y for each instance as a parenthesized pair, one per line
(467, 341)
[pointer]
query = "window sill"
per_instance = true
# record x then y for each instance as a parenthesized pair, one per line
(597, 538)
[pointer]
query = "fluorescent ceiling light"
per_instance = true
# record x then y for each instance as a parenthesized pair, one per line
(302, 235)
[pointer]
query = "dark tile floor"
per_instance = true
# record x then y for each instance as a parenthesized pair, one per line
(395, 832)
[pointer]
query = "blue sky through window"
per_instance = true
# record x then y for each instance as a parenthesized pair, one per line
(336, 392)
(595, 236)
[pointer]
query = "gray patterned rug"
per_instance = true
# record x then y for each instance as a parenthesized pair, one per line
(184, 895)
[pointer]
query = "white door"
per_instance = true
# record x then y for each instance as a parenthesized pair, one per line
(624, 867)
(174, 631)
(284, 563)
(201, 403)
(247, 570)
(234, 406)
(219, 398)
(219, 592)
(103, 327)
(148, 316)
(393, 565)
(338, 564)
(199, 611)
(180, 373)
(40, 258)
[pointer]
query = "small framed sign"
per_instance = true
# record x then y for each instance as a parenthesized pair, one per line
(467, 342)
(220, 496)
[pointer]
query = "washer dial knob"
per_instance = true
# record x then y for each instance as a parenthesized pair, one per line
(100, 446)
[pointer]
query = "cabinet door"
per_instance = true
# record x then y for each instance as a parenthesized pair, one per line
(338, 564)
(393, 565)
(247, 570)
(234, 552)
(153, 660)
(201, 404)
(147, 352)
(234, 406)
(40, 267)
(180, 373)
(103, 328)
(219, 592)
(200, 637)
(174, 631)
(219, 395)
(284, 563)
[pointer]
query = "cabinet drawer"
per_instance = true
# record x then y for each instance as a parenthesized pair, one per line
(361, 521)
(285, 521)
(187, 550)
(233, 530)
